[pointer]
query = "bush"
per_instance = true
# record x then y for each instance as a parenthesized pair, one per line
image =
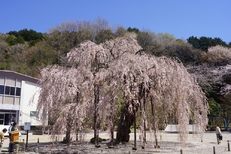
(93, 140)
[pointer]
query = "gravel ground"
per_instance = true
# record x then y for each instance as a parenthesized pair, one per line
(168, 142)
(166, 147)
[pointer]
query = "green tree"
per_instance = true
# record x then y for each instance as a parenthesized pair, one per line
(64, 41)
(182, 50)
(229, 44)
(30, 36)
(3, 46)
(218, 41)
(120, 32)
(11, 40)
(136, 30)
(40, 55)
(194, 41)
(104, 35)
(146, 39)
(214, 108)
(15, 33)
(80, 37)
(204, 43)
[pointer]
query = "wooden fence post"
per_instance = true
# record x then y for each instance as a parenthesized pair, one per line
(228, 145)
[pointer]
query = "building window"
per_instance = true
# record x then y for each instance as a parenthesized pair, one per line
(12, 91)
(1, 122)
(1, 89)
(18, 91)
(7, 90)
(1, 119)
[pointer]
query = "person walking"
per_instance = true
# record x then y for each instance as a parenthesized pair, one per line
(218, 134)
(2, 138)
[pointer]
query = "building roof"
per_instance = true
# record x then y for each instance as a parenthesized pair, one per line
(11, 74)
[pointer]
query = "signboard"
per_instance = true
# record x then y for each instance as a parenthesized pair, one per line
(27, 125)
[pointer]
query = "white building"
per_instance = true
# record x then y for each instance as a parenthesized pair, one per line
(18, 99)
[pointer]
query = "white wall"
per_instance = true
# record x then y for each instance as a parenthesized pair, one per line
(28, 102)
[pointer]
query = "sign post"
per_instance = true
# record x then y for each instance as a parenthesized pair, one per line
(27, 128)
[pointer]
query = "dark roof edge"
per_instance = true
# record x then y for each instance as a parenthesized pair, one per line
(20, 76)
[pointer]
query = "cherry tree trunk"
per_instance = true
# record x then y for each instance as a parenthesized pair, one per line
(112, 126)
(68, 127)
(125, 122)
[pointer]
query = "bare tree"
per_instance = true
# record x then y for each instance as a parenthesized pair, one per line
(219, 55)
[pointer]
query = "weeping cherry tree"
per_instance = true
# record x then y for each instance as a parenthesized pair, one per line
(96, 76)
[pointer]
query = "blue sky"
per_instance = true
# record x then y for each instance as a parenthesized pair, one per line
(181, 18)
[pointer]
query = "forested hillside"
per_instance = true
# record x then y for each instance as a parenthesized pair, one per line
(27, 52)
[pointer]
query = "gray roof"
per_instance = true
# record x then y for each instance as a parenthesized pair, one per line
(11, 74)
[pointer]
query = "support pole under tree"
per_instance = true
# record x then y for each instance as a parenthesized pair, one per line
(144, 107)
(134, 111)
(37, 149)
(24, 147)
(142, 114)
(111, 145)
(228, 145)
(96, 115)
(77, 125)
(154, 123)
(77, 133)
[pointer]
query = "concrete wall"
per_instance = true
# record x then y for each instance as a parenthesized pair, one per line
(176, 129)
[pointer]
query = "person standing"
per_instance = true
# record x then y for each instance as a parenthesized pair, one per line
(2, 138)
(9, 129)
(11, 145)
(218, 134)
(14, 127)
